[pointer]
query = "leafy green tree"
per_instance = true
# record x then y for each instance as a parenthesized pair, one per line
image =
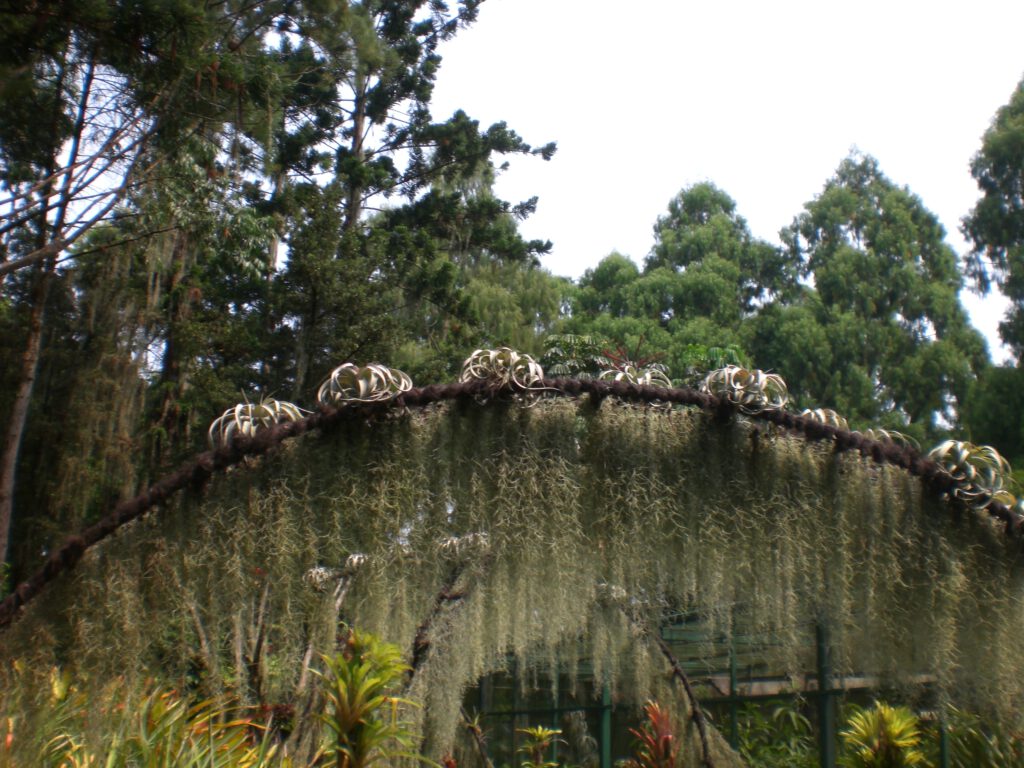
(235, 132)
(994, 412)
(702, 224)
(996, 225)
(886, 294)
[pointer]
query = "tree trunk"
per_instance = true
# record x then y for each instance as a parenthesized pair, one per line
(48, 234)
(19, 411)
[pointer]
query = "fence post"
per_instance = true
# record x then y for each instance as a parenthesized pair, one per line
(826, 704)
(734, 726)
(606, 726)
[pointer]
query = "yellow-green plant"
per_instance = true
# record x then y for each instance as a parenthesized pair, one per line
(373, 383)
(249, 418)
(538, 741)
(118, 729)
(363, 716)
(882, 737)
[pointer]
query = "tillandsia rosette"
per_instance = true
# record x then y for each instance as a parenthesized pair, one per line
(890, 436)
(373, 383)
(249, 418)
(826, 416)
(751, 390)
(503, 369)
(320, 577)
(456, 547)
(979, 471)
(651, 375)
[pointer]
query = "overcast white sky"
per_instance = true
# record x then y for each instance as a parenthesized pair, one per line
(762, 98)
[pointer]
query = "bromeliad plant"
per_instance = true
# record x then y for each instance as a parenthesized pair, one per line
(751, 390)
(882, 737)
(363, 717)
(538, 741)
(249, 418)
(374, 383)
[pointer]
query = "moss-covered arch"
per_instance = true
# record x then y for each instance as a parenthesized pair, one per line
(547, 533)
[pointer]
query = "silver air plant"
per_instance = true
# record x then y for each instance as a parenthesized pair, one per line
(504, 369)
(249, 418)
(458, 547)
(651, 375)
(373, 383)
(751, 390)
(890, 436)
(320, 577)
(979, 471)
(826, 416)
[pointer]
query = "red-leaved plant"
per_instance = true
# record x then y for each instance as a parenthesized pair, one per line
(656, 744)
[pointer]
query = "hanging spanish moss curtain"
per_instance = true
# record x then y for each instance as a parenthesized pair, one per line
(553, 534)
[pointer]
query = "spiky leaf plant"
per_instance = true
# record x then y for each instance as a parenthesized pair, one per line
(881, 737)
(249, 418)
(372, 383)
(537, 742)
(503, 368)
(119, 727)
(363, 717)
(979, 471)
(751, 390)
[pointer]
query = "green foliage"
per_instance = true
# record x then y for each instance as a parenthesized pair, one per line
(777, 738)
(119, 727)
(566, 354)
(705, 241)
(884, 315)
(996, 225)
(994, 411)
(241, 134)
(363, 711)
(881, 737)
(977, 742)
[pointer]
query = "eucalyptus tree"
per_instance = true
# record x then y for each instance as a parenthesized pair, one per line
(702, 226)
(996, 224)
(886, 290)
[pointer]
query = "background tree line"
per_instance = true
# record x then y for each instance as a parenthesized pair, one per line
(200, 200)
